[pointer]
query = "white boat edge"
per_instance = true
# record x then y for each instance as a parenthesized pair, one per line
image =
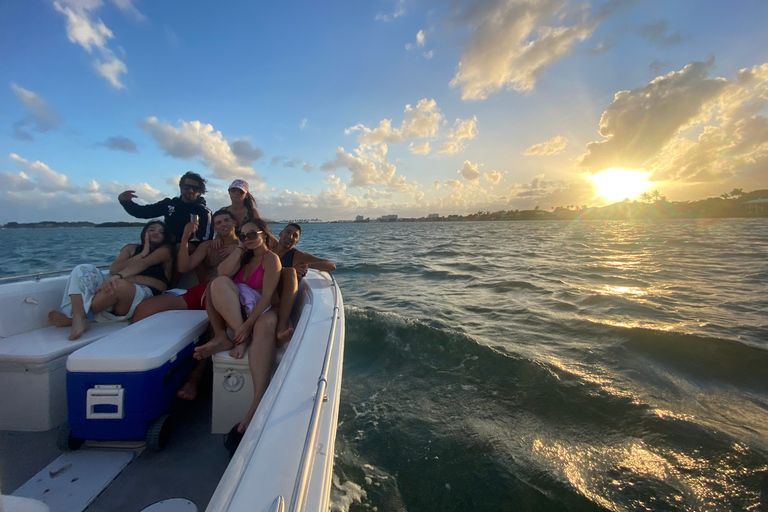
(270, 465)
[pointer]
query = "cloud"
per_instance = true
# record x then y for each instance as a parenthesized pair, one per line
(602, 47)
(194, 139)
(40, 117)
(90, 33)
(369, 166)
(418, 123)
(553, 146)
(469, 171)
(398, 12)
(462, 130)
(420, 149)
(277, 159)
(119, 143)
(127, 8)
(45, 178)
(303, 124)
(657, 66)
(421, 40)
(513, 43)
(641, 122)
(428, 55)
(492, 177)
(246, 153)
(307, 166)
(656, 33)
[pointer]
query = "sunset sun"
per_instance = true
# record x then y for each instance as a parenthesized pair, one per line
(619, 184)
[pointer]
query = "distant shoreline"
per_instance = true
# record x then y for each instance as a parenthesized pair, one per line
(744, 205)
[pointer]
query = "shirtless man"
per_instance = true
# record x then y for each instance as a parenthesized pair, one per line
(295, 264)
(204, 255)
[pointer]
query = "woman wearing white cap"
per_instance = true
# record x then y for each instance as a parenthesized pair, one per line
(243, 205)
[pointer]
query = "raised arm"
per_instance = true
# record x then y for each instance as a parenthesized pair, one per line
(149, 211)
(185, 261)
(134, 265)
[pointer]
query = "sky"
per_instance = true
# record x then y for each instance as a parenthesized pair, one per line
(334, 109)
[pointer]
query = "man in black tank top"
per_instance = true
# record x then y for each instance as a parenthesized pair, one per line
(295, 264)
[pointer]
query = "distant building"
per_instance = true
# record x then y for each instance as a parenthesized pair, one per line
(388, 218)
(359, 218)
(433, 216)
(757, 206)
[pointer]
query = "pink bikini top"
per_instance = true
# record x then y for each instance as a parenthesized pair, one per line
(256, 279)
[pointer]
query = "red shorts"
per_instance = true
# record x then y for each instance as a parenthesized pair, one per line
(195, 297)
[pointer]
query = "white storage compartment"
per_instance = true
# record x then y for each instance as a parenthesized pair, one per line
(232, 391)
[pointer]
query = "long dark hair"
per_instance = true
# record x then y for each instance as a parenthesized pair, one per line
(259, 223)
(166, 236)
(250, 204)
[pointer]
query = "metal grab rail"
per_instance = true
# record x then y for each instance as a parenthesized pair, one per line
(299, 490)
(38, 275)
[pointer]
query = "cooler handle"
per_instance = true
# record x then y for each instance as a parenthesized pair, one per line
(104, 395)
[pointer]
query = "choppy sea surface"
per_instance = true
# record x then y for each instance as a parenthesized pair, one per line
(606, 365)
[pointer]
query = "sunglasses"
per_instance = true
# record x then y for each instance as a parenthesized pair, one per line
(187, 186)
(251, 235)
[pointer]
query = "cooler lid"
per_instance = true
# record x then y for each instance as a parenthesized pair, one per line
(44, 345)
(142, 346)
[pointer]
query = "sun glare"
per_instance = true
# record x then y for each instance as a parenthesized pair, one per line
(619, 184)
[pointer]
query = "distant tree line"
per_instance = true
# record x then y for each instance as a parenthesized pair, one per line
(81, 224)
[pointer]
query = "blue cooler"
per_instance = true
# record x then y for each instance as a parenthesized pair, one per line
(117, 387)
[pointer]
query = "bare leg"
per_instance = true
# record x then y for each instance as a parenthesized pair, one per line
(189, 390)
(58, 319)
(261, 357)
(120, 301)
(163, 302)
(239, 351)
(289, 284)
(79, 320)
(223, 307)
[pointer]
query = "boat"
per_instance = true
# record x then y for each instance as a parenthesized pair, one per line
(284, 461)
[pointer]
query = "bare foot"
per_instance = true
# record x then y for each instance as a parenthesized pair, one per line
(58, 319)
(284, 337)
(216, 345)
(243, 425)
(188, 391)
(238, 352)
(79, 326)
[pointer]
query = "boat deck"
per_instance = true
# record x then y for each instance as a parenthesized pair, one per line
(189, 467)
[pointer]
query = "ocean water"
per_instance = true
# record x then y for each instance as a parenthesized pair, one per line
(609, 365)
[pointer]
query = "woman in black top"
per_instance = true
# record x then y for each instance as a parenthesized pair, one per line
(138, 272)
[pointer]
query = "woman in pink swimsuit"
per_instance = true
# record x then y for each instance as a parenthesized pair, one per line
(240, 299)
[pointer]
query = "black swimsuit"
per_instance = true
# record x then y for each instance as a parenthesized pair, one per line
(156, 271)
(287, 260)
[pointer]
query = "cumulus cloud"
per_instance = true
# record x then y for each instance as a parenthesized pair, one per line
(462, 130)
(470, 171)
(553, 146)
(642, 122)
(43, 176)
(245, 152)
(307, 166)
(513, 43)
(119, 143)
(40, 117)
(369, 166)
(277, 159)
(303, 124)
(421, 40)
(92, 34)
(194, 139)
(420, 122)
(428, 55)
(420, 149)
(492, 177)
(657, 32)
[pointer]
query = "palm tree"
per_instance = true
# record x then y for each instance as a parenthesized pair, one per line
(645, 196)
(725, 195)
(737, 192)
(656, 194)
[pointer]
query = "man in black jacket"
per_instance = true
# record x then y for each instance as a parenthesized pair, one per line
(176, 211)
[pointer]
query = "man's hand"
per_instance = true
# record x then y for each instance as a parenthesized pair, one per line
(189, 228)
(127, 196)
(301, 269)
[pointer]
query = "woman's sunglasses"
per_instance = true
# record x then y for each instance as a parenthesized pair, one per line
(251, 235)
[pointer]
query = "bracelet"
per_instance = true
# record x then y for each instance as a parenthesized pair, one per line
(119, 275)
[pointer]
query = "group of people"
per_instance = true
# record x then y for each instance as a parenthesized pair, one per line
(248, 279)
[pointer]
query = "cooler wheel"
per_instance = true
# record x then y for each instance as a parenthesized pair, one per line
(65, 441)
(159, 432)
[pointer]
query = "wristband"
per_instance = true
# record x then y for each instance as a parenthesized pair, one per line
(119, 275)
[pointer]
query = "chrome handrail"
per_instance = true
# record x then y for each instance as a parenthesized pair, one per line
(39, 275)
(300, 489)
